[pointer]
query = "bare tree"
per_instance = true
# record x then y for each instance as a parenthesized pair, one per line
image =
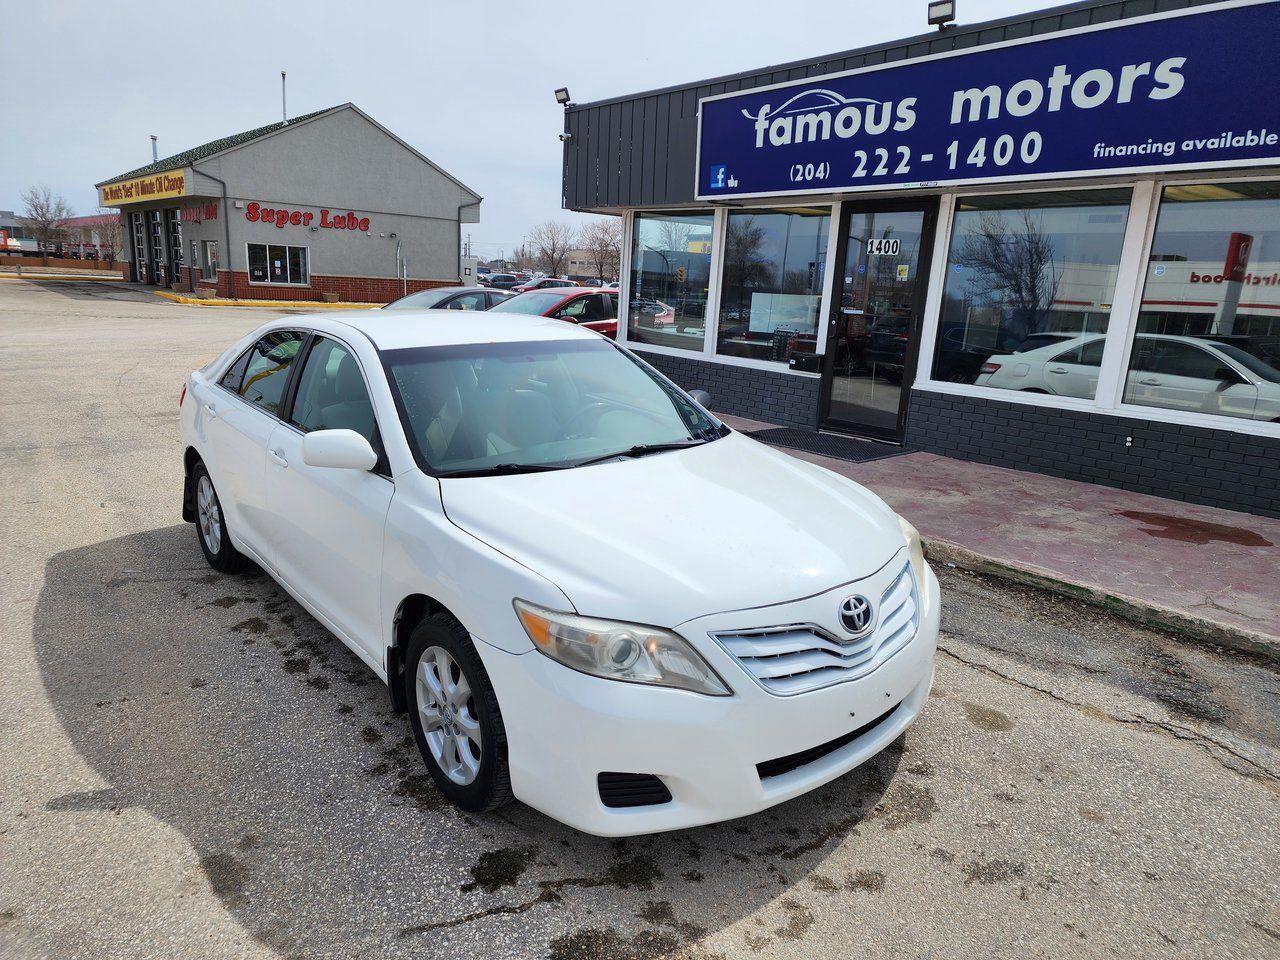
(551, 242)
(746, 264)
(43, 215)
(107, 225)
(521, 259)
(602, 240)
(674, 235)
(1013, 266)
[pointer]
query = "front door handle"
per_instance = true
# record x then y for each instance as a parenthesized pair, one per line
(1150, 382)
(275, 455)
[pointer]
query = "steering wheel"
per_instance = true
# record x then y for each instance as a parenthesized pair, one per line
(596, 407)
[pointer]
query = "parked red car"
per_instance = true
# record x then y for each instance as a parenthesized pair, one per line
(593, 307)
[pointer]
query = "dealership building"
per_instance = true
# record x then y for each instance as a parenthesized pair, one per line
(330, 205)
(1049, 242)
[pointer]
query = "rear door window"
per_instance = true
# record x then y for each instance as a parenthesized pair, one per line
(235, 373)
(469, 301)
(267, 373)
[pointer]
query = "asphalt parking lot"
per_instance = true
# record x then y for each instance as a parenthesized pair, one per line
(192, 766)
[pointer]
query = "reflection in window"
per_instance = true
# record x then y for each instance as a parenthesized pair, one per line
(1208, 337)
(1029, 276)
(774, 262)
(670, 267)
(268, 369)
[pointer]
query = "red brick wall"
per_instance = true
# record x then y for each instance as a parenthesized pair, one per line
(12, 260)
(346, 289)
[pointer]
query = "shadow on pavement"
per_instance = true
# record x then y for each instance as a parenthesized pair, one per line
(218, 705)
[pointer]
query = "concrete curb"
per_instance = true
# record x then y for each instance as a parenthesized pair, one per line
(304, 304)
(1139, 611)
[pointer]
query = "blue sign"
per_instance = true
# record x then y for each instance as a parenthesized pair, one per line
(1196, 88)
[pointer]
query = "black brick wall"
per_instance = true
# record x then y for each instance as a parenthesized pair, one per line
(770, 395)
(1214, 467)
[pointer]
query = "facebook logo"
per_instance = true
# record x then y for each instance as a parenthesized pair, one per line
(719, 176)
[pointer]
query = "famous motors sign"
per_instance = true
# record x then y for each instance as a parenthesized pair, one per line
(1195, 88)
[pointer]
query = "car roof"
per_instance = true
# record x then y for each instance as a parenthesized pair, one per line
(397, 329)
(446, 290)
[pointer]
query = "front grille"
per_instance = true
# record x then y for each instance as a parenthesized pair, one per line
(800, 657)
(632, 790)
(776, 768)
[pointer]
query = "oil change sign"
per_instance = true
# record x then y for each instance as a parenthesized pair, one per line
(1195, 88)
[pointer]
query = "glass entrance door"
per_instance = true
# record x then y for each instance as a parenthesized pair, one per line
(877, 312)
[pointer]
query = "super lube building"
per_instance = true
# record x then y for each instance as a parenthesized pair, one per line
(1050, 242)
(329, 205)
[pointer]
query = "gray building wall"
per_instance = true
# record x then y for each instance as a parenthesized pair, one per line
(1214, 467)
(639, 150)
(343, 162)
(770, 395)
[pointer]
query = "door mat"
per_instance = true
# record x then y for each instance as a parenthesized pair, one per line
(853, 449)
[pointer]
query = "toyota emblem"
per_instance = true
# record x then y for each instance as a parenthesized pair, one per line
(856, 616)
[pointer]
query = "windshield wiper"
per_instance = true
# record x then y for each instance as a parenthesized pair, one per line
(507, 469)
(641, 449)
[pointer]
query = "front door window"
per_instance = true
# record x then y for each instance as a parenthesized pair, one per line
(878, 301)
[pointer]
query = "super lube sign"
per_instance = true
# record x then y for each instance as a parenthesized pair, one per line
(1194, 89)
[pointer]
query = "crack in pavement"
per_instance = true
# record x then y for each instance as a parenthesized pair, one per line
(1257, 773)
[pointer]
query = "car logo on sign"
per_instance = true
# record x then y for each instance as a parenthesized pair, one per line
(856, 616)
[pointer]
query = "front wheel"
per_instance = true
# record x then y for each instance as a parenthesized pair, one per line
(212, 527)
(455, 716)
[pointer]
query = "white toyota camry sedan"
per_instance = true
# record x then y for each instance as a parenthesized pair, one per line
(586, 591)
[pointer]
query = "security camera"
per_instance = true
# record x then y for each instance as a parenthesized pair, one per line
(566, 137)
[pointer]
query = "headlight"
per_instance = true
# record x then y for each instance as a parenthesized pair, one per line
(619, 651)
(914, 549)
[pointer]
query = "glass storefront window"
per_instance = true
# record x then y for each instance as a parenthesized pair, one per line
(774, 261)
(277, 264)
(670, 270)
(1028, 292)
(1208, 333)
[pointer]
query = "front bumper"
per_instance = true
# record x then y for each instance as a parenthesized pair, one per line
(564, 727)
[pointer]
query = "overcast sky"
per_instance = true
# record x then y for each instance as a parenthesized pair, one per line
(468, 84)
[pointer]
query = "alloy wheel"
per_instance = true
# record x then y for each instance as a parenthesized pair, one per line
(447, 711)
(208, 515)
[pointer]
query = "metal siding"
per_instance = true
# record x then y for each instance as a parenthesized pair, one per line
(614, 170)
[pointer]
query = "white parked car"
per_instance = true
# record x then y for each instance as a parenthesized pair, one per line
(587, 591)
(1173, 372)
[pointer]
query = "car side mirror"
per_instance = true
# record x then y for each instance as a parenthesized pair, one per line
(701, 398)
(340, 449)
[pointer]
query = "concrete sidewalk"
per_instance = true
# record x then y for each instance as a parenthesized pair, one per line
(1211, 573)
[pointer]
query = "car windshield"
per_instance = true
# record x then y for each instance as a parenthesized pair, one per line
(1247, 360)
(535, 302)
(422, 300)
(482, 408)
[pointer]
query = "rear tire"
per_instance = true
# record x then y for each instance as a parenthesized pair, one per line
(455, 717)
(211, 525)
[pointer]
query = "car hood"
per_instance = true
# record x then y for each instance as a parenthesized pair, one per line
(671, 536)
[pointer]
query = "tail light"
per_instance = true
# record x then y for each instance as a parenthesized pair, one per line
(183, 395)
(990, 367)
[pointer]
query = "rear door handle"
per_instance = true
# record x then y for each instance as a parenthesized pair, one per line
(210, 411)
(278, 459)
(1057, 369)
(1150, 382)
